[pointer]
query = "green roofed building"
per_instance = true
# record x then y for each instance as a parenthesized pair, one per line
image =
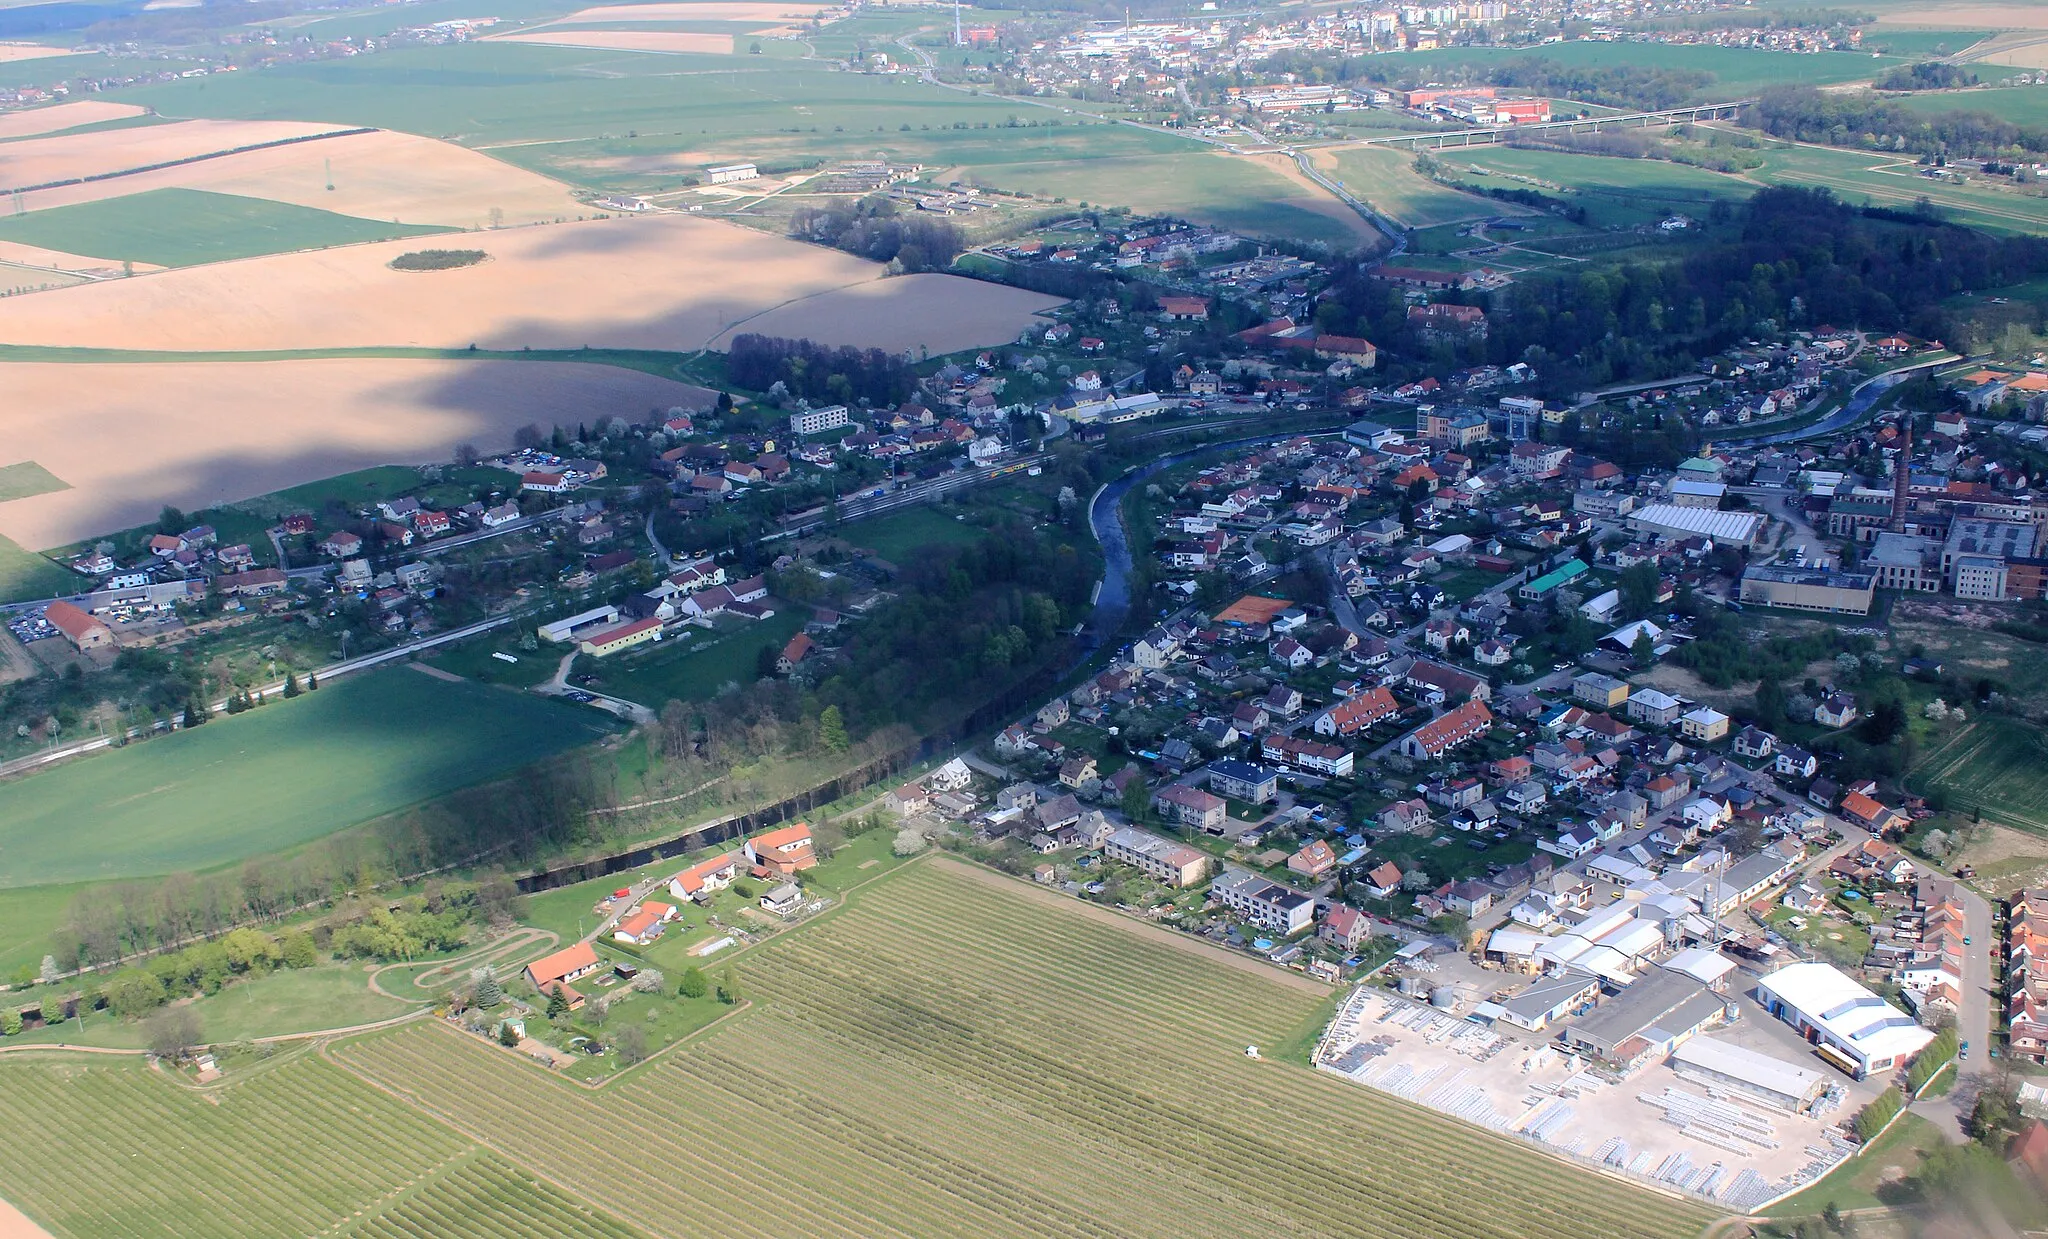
(1571, 570)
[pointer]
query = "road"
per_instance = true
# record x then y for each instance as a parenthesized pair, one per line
(1397, 238)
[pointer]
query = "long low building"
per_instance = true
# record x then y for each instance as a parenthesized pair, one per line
(1848, 1025)
(1720, 1064)
(1809, 589)
(1674, 521)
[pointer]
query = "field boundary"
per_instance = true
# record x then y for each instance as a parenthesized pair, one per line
(188, 160)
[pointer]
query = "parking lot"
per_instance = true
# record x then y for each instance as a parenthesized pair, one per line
(1654, 1125)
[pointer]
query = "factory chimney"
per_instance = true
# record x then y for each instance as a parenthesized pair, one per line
(1902, 473)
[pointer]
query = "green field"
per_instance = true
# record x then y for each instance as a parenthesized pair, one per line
(1615, 192)
(956, 1055)
(1387, 179)
(2000, 768)
(1737, 72)
(280, 1004)
(19, 481)
(2022, 105)
(1920, 44)
(290, 772)
(693, 670)
(186, 227)
(1861, 177)
(295, 1148)
(898, 536)
(25, 575)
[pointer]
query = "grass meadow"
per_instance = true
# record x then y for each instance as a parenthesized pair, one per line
(290, 772)
(899, 535)
(1891, 181)
(186, 227)
(1387, 179)
(1737, 72)
(2021, 105)
(952, 1054)
(1615, 192)
(675, 669)
(25, 575)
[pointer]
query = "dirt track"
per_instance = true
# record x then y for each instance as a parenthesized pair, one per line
(130, 438)
(659, 282)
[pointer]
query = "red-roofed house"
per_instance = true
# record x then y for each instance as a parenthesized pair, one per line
(1184, 309)
(701, 880)
(644, 924)
(793, 654)
(783, 852)
(1313, 860)
(568, 964)
(1348, 718)
(1346, 926)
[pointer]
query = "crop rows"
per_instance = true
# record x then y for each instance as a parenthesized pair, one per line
(118, 1151)
(483, 1198)
(944, 1058)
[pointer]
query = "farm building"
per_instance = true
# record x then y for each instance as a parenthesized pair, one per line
(613, 638)
(79, 629)
(701, 880)
(783, 852)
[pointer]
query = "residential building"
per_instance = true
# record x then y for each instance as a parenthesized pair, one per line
(809, 422)
(1704, 724)
(1175, 864)
(566, 965)
(1313, 860)
(1652, 708)
(1191, 806)
(1268, 906)
(1436, 737)
(1240, 780)
(705, 878)
(1602, 692)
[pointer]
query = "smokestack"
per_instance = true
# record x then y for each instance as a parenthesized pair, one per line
(1902, 471)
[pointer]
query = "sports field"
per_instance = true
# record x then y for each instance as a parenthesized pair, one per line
(1387, 179)
(263, 782)
(2001, 768)
(296, 1148)
(958, 1055)
(185, 227)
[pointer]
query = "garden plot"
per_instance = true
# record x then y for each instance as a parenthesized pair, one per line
(1653, 1126)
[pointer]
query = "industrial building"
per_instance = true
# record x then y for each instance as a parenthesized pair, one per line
(1721, 1065)
(1809, 589)
(1848, 1025)
(1673, 521)
(1655, 1014)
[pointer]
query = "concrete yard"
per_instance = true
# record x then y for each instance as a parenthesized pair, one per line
(1653, 1126)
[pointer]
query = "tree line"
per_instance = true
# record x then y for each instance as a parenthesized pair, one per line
(1867, 120)
(819, 372)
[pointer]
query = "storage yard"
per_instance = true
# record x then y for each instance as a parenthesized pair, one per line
(1683, 1128)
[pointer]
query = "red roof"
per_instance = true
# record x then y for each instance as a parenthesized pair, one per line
(548, 969)
(71, 621)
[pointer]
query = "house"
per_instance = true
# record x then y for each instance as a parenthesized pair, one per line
(1191, 806)
(1871, 815)
(341, 545)
(1754, 742)
(705, 878)
(1172, 863)
(1184, 309)
(1384, 879)
(1345, 927)
(1835, 710)
(1795, 761)
(644, 924)
(1704, 724)
(1313, 860)
(908, 800)
(782, 852)
(1265, 905)
(783, 899)
(1602, 692)
(794, 653)
(80, 629)
(1077, 771)
(1240, 780)
(566, 965)
(1405, 817)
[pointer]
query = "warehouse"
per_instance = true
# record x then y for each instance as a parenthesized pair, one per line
(1673, 521)
(1718, 1064)
(1809, 589)
(1646, 1020)
(1848, 1025)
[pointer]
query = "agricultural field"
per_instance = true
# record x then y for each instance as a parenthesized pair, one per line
(38, 121)
(667, 282)
(2020, 105)
(1387, 179)
(297, 1147)
(1616, 193)
(27, 575)
(1737, 72)
(186, 227)
(298, 770)
(978, 1058)
(1999, 767)
(1864, 176)
(128, 438)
